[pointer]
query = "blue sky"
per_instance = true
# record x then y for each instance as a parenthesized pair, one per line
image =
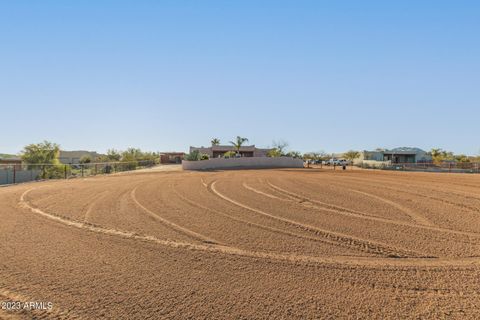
(163, 75)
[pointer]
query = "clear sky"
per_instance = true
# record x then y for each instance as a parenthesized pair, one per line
(164, 75)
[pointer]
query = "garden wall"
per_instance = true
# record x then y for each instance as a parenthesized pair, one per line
(243, 163)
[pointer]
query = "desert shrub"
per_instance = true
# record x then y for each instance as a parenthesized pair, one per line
(131, 165)
(112, 155)
(294, 154)
(229, 154)
(52, 172)
(85, 159)
(273, 153)
(193, 156)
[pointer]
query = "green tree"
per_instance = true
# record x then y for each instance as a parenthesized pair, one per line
(294, 154)
(462, 158)
(308, 156)
(41, 153)
(448, 156)
(131, 155)
(195, 155)
(111, 156)
(149, 156)
(437, 155)
(279, 149)
(318, 155)
(85, 159)
(274, 152)
(215, 142)
(229, 154)
(238, 143)
(43, 156)
(351, 155)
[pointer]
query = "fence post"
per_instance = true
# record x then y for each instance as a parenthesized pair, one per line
(82, 169)
(65, 170)
(14, 174)
(95, 169)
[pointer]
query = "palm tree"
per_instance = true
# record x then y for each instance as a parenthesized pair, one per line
(215, 142)
(238, 143)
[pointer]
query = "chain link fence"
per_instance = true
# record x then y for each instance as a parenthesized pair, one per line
(453, 167)
(18, 173)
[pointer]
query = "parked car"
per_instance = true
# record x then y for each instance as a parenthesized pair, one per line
(336, 162)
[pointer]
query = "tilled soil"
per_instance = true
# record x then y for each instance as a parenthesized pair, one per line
(263, 244)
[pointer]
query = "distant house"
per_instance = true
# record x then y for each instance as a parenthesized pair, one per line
(397, 155)
(13, 162)
(219, 151)
(171, 157)
(73, 157)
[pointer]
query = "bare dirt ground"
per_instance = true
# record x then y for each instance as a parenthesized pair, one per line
(263, 244)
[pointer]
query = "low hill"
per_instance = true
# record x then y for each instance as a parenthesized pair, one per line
(6, 155)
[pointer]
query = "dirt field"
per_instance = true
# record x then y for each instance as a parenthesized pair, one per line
(276, 244)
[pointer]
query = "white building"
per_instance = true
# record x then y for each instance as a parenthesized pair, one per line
(397, 155)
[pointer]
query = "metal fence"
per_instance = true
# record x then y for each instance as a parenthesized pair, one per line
(458, 167)
(18, 173)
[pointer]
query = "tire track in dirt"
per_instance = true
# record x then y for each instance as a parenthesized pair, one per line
(416, 289)
(307, 202)
(415, 216)
(171, 225)
(333, 261)
(260, 226)
(470, 208)
(246, 186)
(93, 203)
(463, 194)
(476, 211)
(384, 220)
(410, 213)
(354, 242)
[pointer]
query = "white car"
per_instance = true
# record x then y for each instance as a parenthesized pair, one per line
(336, 162)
